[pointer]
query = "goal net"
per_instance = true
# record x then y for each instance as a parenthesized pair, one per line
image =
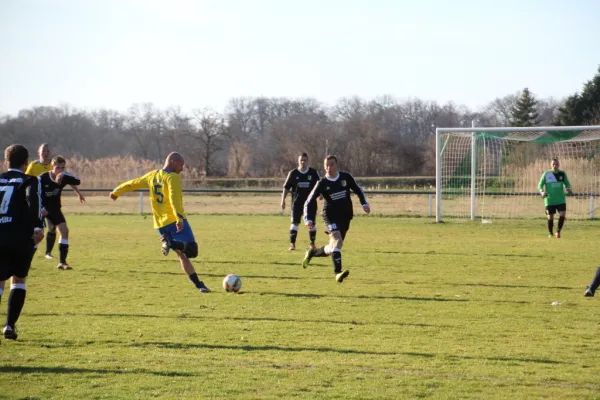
(493, 173)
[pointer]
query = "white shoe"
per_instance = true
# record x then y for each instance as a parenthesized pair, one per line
(49, 256)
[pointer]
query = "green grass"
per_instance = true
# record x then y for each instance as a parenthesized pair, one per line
(453, 310)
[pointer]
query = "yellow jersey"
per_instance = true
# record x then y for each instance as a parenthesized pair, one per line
(36, 168)
(166, 196)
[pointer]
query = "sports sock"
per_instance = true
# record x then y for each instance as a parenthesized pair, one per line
(320, 252)
(196, 281)
(561, 222)
(293, 234)
(16, 300)
(63, 248)
(336, 256)
(50, 240)
(313, 235)
(551, 226)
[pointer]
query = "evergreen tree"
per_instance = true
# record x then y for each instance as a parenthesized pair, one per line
(524, 113)
(584, 108)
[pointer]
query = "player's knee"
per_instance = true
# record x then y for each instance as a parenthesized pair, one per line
(294, 227)
(335, 240)
(190, 249)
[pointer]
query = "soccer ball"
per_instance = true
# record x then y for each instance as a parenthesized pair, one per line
(232, 283)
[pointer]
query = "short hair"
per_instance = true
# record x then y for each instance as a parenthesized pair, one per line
(303, 155)
(43, 145)
(16, 155)
(58, 160)
(555, 159)
(331, 157)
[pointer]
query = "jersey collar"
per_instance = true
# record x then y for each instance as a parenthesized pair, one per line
(333, 179)
(15, 170)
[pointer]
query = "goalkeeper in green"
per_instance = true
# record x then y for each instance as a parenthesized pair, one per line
(552, 188)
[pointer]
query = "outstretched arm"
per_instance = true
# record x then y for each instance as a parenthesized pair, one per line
(129, 186)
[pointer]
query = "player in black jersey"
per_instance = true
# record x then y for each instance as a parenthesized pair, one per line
(52, 183)
(300, 182)
(21, 228)
(335, 188)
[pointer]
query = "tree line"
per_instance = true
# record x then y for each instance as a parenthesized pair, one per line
(263, 136)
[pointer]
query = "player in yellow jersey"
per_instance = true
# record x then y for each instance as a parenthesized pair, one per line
(167, 211)
(36, 168)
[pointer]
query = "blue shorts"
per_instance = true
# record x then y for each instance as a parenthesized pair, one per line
(186, 234)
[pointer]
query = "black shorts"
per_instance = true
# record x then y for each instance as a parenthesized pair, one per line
(15, 258)
(551, 210)
(55, 217)
(298, 211)
(341, 225)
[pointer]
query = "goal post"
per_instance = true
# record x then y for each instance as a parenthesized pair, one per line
(492, 173)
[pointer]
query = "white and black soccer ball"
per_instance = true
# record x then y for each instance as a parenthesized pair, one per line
(232, 283)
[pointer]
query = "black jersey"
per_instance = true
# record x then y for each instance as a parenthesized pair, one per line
(301, 183)
(51, 190)
(20, 209)
(336, 196)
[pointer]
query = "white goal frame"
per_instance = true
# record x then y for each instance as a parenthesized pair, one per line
(475, 130)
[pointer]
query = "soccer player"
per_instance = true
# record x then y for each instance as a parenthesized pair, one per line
(591, 290)
(36, 168)
(335, 188)
(53, 183)
(300, 182)
(167, 211)
(21, 228)
(551, 187)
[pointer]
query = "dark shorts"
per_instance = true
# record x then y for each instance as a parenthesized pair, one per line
(15, 258)
(342, 225)
(551, 210)
(186, 235)
(55, 217)
(298, 211)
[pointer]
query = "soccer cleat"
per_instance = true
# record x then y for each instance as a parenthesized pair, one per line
(60, 266)
(292, 246)
(312, 246)
(49, 256)
(67, 266)
(558, 235)
(307, 257)
(203, 288)
(166, 243)
(550, 236)
(341, 276)
(10, 333)
(589, 292)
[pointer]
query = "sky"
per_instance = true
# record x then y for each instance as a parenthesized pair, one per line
(202, 53)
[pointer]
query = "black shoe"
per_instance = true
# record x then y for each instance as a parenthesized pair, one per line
(589, 292)
(10, 333)
(167, 242)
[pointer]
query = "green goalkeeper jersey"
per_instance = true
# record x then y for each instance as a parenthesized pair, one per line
(554, 184)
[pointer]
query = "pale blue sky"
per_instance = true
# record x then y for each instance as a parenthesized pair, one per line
(195, 54)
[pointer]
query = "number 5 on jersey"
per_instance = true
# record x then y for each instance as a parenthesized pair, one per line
(159, 197)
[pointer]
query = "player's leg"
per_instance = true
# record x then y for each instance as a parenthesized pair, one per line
(336, 250)
(50, 238)
(63, 245)
(322, 251)
(188, 268)
(562, 212)
(594, 285)
(18, 288)
(312, 233)
(297, 207)
(550, 210)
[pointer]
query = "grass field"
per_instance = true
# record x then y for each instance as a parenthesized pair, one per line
(454, 310)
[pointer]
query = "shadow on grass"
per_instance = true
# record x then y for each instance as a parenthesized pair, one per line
(67, 370)
(511, 286)
(254, 319)
(436, 253)
(319, 296)
(247, 348)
